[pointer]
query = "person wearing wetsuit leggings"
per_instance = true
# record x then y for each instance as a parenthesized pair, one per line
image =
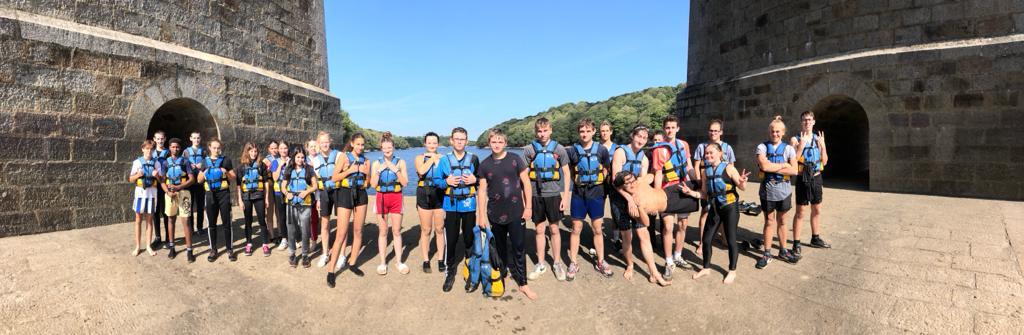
(458, 170)
(195, 155)
(216, 171)
(281, 210)
(719, 183)
(251, 194)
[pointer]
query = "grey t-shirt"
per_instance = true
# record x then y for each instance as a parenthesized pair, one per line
(728, 155)
(775, 191)
(548, 188)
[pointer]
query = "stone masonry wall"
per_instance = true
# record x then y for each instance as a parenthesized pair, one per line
(74, 108)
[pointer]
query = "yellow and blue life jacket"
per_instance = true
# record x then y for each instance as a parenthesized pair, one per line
(720, 191)
(214, 176)
(161, 155)
(325, 170)
(296, 184)
(675, 167)
(387, 181)
(195, 156)
(634, 160)
(356, 180)
(252, 179)
(175, 170)
(278, 164)
(147, 180)
(811, 157)
(427, 179)
(588, 171)
(776, 154)
(545, 165)
(461, 167)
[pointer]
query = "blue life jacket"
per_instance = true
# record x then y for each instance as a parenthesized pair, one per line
(427, 179)
(195, 156)
(387, 181)
(325, 170)
(278, 165)
(775, 154)
(161, 155)
(479, 269)
(722, 192)
(147, 179)
(675, 167)
(296, 184)
(589, 171)
(545, 165)
(634, 161)
(355, 180)
(214, 176)
(461, 167)
(811, 157)
(175, 170)
(252, 179)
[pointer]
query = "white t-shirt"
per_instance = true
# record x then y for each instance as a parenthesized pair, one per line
(149, 192)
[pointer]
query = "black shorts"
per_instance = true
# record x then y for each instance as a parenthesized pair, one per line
(679, 203)
(620, 213)
(782, 205)
(809, 192)
(545, 209)
(328, 200)
(429, 197)
(348, 198)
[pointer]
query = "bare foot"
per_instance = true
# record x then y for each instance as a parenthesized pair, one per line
(729, 278)
(697, 250)
(529, 293)
(628, 274)
(701, 273)
(656, 279)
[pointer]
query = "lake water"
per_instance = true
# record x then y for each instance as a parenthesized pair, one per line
(410, 154)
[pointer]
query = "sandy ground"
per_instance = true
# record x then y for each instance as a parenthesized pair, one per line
(900, 263)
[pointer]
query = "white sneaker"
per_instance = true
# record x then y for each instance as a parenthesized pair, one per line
(341, 263)
(283, 245)
(322, 262)
(403, 269)
(382, 269)
(537, 271)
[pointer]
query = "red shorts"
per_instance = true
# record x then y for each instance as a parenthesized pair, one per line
(389, 203)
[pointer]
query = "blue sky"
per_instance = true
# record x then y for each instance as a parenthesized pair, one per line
(417, 66)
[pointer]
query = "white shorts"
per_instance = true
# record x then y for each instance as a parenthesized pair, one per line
(144, 205)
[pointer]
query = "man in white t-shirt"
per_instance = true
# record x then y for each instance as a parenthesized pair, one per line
(146, 175)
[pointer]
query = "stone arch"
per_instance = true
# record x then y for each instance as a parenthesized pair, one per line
(199, 97)
(843, 106)
(179, 117)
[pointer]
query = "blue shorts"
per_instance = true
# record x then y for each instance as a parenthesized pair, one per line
(581, 207)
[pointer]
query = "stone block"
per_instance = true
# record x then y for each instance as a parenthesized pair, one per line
(93, 104)
(967, 100)
(10, 199)
(32, 123)
(18, 223)
(109, 127)
(124, 67)
(93, 150)
(994, 26)
(109, 86)
(911, 103)
(920, 120)
(49, 54)
(53, 219)
(94, 216)
(76, 125)
(90, 61)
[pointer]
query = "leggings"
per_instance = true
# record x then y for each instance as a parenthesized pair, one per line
(159, 216)
(219, 202)
(729, 215)
(282, 215)
(261, 216)
(516, 260)
(198, 207)
(453, 221)
(298, 224)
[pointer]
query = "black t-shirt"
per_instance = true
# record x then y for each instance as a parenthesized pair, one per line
(504, 188)
(574, 159)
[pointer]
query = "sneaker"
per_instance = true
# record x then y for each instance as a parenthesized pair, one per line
(323, 261)
(441, 267)
(559, 269)
(293, 261)
(330, 279)
(449, 281)
(403, 269)
(282, 245)
(341, 264)
(682, 263)
(172, 253)
(305, 262)
(248, 249)
(212, 257)
(537, 271)
(188, 255)
(573, 269)
(231, 255)
(785, 255)
(765, 259)
(604, 269)
(266, 251)
(426, 266)
(170, 245)
(817, 242)
(157, 243)
(382, 269)
(356, 271)
(667, 274)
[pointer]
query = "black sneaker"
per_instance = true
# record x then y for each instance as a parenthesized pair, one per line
(157, 244)
(765, 259)
(188, 255)
(817, 242)
(426, 266)
(449, 281)
(293, 261)
(231, 255)
(441, 267)
(330, 279)
(796, 252)
(785, 255)
(212, 257)
(305, 261)
(172, 253)
(618, 245)
(356, 271)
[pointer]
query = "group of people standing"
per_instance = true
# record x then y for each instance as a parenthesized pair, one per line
(457, 191)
